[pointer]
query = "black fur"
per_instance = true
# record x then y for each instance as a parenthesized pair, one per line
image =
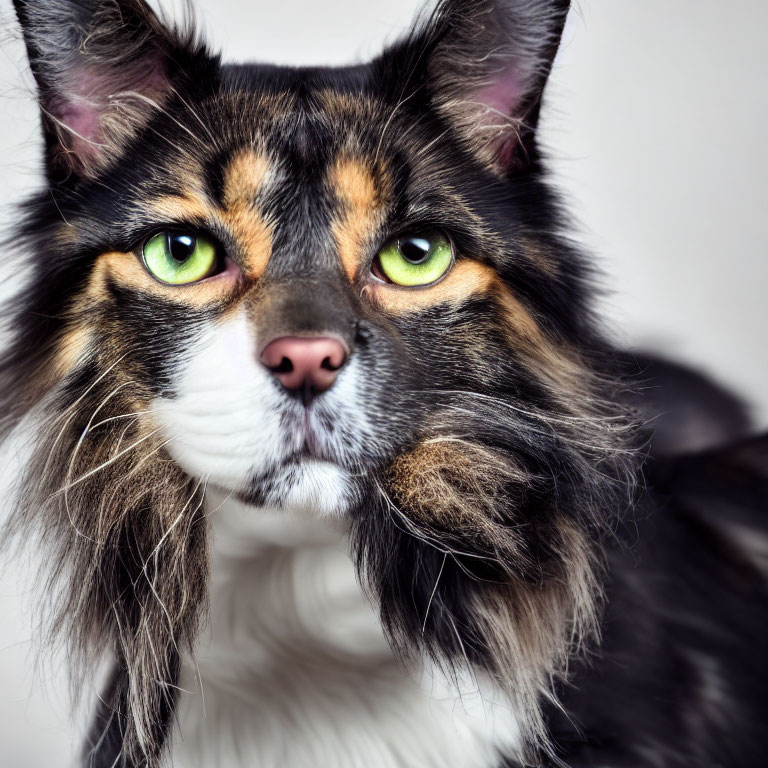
(679, 679)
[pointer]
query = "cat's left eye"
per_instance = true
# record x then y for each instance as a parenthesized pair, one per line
(414, 259)
(180, 258)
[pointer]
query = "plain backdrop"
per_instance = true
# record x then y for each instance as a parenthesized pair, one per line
(655, 122)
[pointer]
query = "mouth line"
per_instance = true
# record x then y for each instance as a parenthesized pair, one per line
(305, 438)
(309, 450)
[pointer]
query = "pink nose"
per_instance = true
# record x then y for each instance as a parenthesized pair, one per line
(305, 365)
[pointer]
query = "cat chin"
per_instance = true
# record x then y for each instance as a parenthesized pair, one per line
(312, 486)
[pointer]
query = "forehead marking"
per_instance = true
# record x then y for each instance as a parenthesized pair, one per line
(244, 180)
(355, 187)
(173, 208)
(355, 108)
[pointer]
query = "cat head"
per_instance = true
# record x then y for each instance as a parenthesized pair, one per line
(345, 290)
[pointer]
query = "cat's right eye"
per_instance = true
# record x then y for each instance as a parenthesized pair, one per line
(180, 258)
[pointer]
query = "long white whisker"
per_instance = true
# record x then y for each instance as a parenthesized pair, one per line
(112, 460)
(75, 454)
(120, 416)
(411, 530)
(432, 596)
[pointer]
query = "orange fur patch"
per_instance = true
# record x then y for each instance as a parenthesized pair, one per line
(465, 280)
(471, 279)
(70, 349)
(454, 484)
(361, 197)
(243, 181)
(177, 208)
(244, 178)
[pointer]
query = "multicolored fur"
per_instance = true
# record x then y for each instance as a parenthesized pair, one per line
(475, 448)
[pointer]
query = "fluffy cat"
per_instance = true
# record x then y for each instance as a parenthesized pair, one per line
(290, 327)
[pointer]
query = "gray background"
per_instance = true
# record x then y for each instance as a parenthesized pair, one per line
(656, 125)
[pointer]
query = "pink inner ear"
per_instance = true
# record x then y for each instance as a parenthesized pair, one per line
(87, 98)
(498, 105)
(502, 96)
(78, 111)
(84, 129)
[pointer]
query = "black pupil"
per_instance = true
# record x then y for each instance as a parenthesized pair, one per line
(181, 247)
(415, 249)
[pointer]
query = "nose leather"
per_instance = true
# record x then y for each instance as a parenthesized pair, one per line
(305, 365)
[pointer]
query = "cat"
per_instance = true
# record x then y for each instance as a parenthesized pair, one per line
(331, 461)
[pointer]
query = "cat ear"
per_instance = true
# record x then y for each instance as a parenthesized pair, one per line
(102, 67)
(487, 62)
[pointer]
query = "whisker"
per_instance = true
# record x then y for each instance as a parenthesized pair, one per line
(441, 547)
(110, 461)
(432, 596)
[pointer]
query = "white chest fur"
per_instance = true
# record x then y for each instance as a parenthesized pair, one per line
(294, 671)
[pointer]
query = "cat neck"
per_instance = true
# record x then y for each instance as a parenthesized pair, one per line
(294, 667)
(283, 578)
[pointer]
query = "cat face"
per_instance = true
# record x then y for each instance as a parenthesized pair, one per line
(342, 290)
(298, 184)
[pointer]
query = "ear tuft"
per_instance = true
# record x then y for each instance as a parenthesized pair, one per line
(102, 68)
(489, 63)
(94, 114)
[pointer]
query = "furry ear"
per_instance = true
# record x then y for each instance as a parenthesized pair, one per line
(487, 64)
(102, 67)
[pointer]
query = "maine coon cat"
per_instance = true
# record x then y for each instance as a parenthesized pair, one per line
(291, 325)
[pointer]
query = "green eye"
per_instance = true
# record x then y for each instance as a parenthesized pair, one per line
(418, 259)
(179, 258)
